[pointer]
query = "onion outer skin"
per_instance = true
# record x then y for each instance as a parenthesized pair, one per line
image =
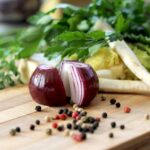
(46, 87)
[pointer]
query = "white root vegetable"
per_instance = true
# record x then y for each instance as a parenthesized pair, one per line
(123, 86)
(105, 73)
(127, 55)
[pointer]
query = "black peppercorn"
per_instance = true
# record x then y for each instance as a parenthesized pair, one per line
(69, 126)
(112, 101)
(111, 135)
(38, 108)
(66, 110)
(74, 121)
(76, 127)
(103, 98)
(118, 105)
(37, 122)
(122, 127)
(113, 124)
(95, 125)
(91, 119)
(18, 129)
(91, 130)
(104, 115)
(80, 129)
(84, 136)
(60, 128)
(61, 111)
(69, 113)
(32, 127)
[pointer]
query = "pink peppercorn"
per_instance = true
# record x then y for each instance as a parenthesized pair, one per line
(63, 116)
(98, 119)
(54, 125)
(57, 117)
(74, 115)
(127, 109)
(77, 137)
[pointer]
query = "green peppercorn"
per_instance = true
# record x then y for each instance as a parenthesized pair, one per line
(12, 132)
(48, 131)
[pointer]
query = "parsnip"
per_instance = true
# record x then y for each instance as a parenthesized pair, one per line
(123, 86)
(127, 55)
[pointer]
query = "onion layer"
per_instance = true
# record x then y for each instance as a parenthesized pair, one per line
(81, 80)
(46, 87)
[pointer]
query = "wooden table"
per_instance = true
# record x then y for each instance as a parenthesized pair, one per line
(17, 109)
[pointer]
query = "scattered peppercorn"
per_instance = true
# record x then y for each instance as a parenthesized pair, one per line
(76, 127)
(60, 128)
(77, 137)
(61, 111)
(147, 116)
(18, 129)
(83, 113)
(98, 119)
(69, 126)
(104, 115)
(12, 132)
(32, 127)
(118, 105)
(38, 108)
(122, 127)
(103, 98)
(63, 116)
(54, 125)
(113, 124)
(57, 117)
(74, 106)
(74, 115)
(74, 121)
(91, 130)
(37, 122)
(111, 135)
(48, 131)
(83, 136)
(66, 132)
(95, 125)
(112, 101)
(66, 110)
(127, 109)
(47, 119)
(69, 113)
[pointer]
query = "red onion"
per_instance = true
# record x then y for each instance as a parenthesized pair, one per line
(46, 87)
(80, 82)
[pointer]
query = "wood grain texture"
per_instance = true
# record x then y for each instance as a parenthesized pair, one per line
(17, 109)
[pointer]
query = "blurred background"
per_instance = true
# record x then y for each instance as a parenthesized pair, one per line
(14, 13)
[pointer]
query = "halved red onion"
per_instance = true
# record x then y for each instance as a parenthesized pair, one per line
(46, 86)
(81, 80)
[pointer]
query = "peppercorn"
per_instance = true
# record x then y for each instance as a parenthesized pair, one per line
(122, 127)
(60, 128)
(32, 127)
(54, 125)
(103, 98)
(38, 108)
(65, 110)
(74, 114)
(61, 111)
(48, 131)
(84, 113)
(18, 129)
(80, 129)
(91, 119)
(127, 109)
(113, 124)
(77, 137)
(98, 119)
(12, 132)
(80, 110)
(74, 106)
(112, 101)
(111, 135)
(62, 116)
(69, 126)
(47, 119)
(69, 113)
(95, 125)
(76, 127)
(104, 115)
(118, 105)
(66, 132)
(147, 116)
(74, 121)
(91, 130)
(37, 122)
(83, 136)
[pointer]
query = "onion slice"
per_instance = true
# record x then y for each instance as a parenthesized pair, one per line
(81, 80)
(46, 86)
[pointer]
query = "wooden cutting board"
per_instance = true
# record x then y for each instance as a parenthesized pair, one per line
(17, 109)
